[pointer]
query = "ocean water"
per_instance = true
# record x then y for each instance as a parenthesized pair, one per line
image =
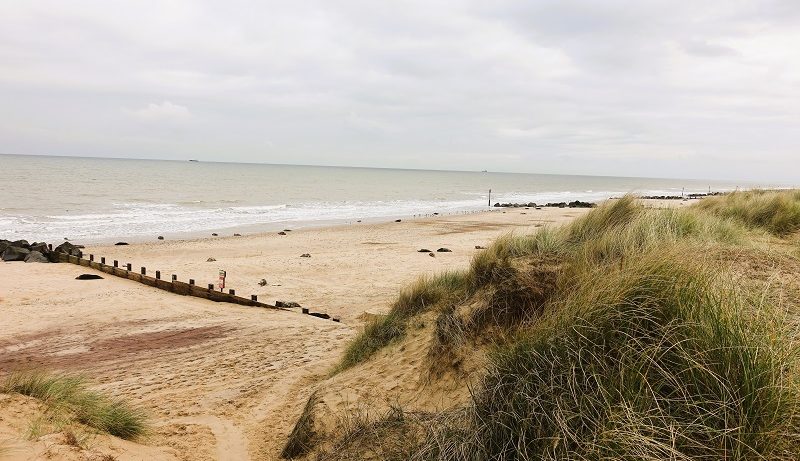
(100, 200)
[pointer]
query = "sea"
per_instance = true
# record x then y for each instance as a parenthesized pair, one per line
(100, 200)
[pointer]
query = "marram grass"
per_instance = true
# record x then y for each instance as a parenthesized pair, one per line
(69, 393)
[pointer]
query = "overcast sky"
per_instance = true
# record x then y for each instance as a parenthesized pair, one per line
(703, 89)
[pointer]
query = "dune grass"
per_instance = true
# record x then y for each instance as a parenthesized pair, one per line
(777, 212)
(69, 394)
(650, 361)
(301, 439)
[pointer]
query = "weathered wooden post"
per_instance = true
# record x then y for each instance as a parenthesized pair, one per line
(174, 278)
(305, 310)
(116, 263)
(102, 259)
(191, 281)
(254, 298)
(158, 275)
(91, 257)
(129, 266)
(232, 291)
(50, 246)
(144, 270)
(210, 286)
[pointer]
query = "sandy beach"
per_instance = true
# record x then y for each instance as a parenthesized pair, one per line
(222, 381)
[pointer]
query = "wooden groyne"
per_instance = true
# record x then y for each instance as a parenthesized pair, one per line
(174, 285)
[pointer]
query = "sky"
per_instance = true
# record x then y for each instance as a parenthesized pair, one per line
(654, 88)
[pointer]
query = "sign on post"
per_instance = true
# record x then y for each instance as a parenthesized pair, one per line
(221, 279)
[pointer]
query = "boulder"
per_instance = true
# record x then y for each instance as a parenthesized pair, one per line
(444, 250)
(21, 244)
(4, 244)
(398, 220)
(40, 247)
(88, 277)
(67, 249)
(36, 257)
(13, 253)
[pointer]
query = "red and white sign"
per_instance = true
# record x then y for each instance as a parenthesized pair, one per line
(221, 279)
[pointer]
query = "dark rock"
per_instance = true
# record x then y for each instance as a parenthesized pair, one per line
(4, 244)
(444, 250)
(88, 277)
(320, 315)
(282, 233)
(67, 249)
(214, 234)
(36, 257)
(397, 220)
(579, 204)
(305, 255)
(237, 235)
(286, 304)
(210, 260)
(13, 253)
(432, 254)
(424, 250)
(262, 282)
(121, 243)
(21, 244)
(358, 220)
(161, 237)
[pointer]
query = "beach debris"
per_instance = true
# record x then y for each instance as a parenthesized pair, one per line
(88, 277)
(14, 253)
(262, 282)
(432, 254)
(286, 304)
(423, 250)
(121, 243)
(36, 257)
(478, 247)
(444, 250)
(287, 230)
(161, 237)
(305, 255)
(358, 220)
(214, 234)
(237, 235)
(398, 220)
(281, 233)
(210, 260)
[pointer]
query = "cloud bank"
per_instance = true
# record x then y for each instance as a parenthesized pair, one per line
(657, 88)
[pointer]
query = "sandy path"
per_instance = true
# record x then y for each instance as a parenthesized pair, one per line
(223, 381)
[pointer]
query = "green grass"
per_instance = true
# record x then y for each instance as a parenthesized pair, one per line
(777, 212)
(65, 393)
(650, 361)
(301, 439)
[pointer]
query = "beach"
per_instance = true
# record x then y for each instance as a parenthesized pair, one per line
(221, 381)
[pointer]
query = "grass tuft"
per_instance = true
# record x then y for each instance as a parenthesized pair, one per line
(777, 212)
(301, 439)
(70, 394)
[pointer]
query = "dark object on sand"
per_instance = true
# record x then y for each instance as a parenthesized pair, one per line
(237, 235)
(478, 247)
(214, 234)
(286, 304)
(444, 250)
(432, 254)
(161, 237)
(210, 260)
(287, 230)
(424, 250)
(358, 220)
(121, 243)
(36, 257)
(305, 255)
(281, 233)
(14, 253)
(398, 220)
(262, 282)
(88, 277)
(67, 249)
(320, 315)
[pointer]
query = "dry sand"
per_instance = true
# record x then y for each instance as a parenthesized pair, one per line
(220, 381)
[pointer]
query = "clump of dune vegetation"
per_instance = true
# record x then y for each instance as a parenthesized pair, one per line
(66, 394)
(631, 333)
